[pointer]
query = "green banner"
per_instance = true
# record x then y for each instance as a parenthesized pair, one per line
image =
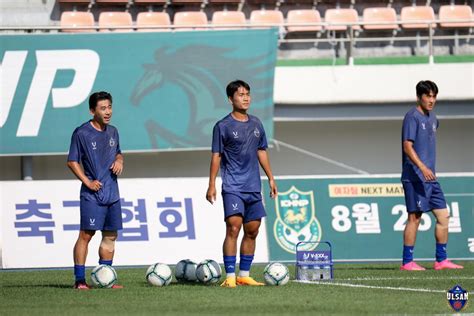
(363, 218)
(168, 87)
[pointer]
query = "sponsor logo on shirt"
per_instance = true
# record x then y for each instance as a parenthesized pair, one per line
(423, 126)
(94, 145)
(236, 134)
(256, 132)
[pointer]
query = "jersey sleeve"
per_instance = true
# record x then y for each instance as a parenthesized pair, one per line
(217, 140)
(262, 144)
(409, 130)
(119, 151)
(75, 150)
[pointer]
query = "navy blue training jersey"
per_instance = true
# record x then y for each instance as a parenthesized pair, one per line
(96, 150)
(421, 130)
(238, 143)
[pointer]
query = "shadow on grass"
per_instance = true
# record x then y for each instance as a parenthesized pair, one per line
(57, 286)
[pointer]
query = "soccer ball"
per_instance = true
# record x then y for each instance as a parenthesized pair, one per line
(158, 274)
(208, 271)
(185, 271)
(104, 276)
(276, 274)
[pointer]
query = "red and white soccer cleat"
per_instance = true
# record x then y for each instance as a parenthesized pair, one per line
(81, 286)
(446, 264)
(411, 266)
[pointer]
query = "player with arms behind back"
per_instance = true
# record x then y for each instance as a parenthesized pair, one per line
(422, 191)
(95, 144)
(238, 146)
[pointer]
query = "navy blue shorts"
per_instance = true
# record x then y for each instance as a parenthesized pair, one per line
(423, 196)
(101, 217)
(247, 204)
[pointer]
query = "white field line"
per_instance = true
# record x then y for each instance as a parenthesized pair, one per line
(406, 289)
(407, 278)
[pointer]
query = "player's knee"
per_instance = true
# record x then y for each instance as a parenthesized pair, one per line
(414, 219)
(86, 235)
(443, 221)
(251, 234)
(233, 231)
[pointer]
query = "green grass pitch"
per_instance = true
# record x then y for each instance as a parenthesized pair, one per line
(357, 289)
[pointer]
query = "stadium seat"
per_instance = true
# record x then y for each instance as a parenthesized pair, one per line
(266, 17)
(417, 13)
(455, 12)
(111, 19)
(186, 2)
(222, 18)
(341, 16)
(224, 1)
(111, 1)
(383, 14)
(74, 19)
(75, 1)
(189, 18)
(303, 16)
(153, 19)
(149, 2)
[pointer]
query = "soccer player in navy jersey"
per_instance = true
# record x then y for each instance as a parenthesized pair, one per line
(238, 146)
(422, 191)
(95, 144)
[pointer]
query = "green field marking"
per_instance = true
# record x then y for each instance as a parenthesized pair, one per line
(50, 292)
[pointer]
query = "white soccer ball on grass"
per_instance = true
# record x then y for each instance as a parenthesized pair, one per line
(158, 274)
(103, 276)
(276, 274)
(208, 272)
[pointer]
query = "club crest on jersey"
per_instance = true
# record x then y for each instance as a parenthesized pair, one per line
(236, 134)
(256, 132)
(296, 220)
(94, 145)
(457, 298)
(112, 142)
(423, 126)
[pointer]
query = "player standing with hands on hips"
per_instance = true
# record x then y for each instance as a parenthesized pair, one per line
(95, 144)
(238, 146)
(422, 191)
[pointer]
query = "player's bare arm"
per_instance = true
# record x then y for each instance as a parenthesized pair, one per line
(117, 165)
(411, 153)
(214, 169)
(75, 167)
(265, 163)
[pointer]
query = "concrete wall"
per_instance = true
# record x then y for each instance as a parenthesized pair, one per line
(370, 84)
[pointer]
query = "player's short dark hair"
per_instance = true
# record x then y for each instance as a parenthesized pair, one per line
(234, 86)
(425, 87)
(98, 96)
